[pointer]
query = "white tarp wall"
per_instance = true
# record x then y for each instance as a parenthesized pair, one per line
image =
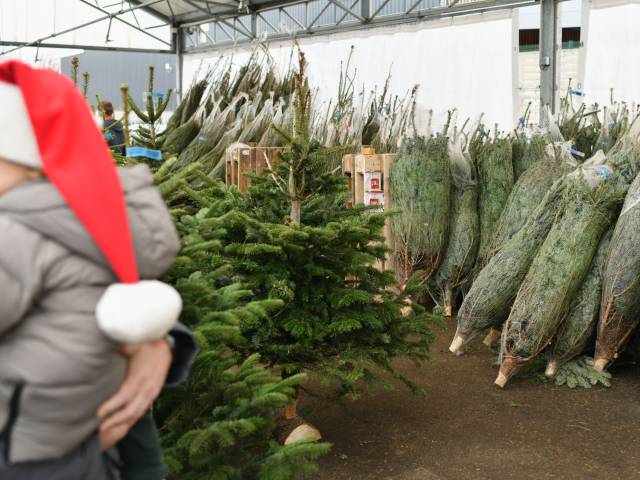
(463, 62)
(612, 52)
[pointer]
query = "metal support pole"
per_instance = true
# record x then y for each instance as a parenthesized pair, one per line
(548, 54)
(365, 9)
(177, 43)
(254, 24)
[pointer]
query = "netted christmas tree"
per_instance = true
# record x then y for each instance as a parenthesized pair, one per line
(220, 423)
(292, 238)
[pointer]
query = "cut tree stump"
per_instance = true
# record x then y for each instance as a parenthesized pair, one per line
(292, 428)
(507, 370)
(448, 302)
(493, 337)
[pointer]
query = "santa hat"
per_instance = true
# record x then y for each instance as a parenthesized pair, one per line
(46, 124)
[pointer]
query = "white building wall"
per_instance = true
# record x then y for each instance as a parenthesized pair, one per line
(463, 63)
(613, 51)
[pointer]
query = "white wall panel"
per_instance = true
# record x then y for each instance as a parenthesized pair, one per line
(464, 63)
(612, 60)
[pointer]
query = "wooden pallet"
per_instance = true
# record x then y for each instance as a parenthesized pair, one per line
(244, 159)
(362, 168)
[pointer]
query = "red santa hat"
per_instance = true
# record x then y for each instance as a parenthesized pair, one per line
(50, 127)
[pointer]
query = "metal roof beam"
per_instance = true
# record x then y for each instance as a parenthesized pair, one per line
(282, 10)
(347, 10)
(275, 29)
(110, 16)
(5, 43)
(236, 29)
(433, 13)
(152, 11)
(313, 22)
(129, 24)
(344, 15)
(198, 7)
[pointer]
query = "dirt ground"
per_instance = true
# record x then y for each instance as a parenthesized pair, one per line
(465, 428)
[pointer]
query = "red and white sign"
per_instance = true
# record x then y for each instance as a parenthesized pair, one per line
(373, 181)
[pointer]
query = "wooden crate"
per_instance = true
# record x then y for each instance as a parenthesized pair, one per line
(359, 168)
(243, 159)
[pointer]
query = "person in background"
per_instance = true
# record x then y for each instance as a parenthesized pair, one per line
(87, 336)
(113, 131)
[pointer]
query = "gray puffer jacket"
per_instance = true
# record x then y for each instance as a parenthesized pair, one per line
(56, 366)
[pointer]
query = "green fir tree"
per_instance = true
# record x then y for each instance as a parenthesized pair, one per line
(219, 424)
(291, 238)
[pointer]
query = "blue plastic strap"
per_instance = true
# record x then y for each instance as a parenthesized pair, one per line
(603, 171)
(137, 152)
(521, 122)
(577, 93)
(573, 151)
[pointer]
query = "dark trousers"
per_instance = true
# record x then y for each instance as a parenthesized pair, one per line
(87, 462)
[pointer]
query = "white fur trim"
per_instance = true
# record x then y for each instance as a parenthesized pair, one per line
(17, 140)
(139, 312)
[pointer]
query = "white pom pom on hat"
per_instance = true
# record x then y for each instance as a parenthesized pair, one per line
(57, 133)
(122, 306)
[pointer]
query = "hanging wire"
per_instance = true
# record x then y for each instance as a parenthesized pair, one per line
(107, 40)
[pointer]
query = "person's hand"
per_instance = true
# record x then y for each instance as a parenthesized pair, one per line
(148, 365)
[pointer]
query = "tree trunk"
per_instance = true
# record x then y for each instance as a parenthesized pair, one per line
(295, 211)
(448, 301)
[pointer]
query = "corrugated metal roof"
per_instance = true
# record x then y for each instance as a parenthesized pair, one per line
(181, 11)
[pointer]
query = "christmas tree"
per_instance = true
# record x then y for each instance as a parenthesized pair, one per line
(219, 424)
(148, 135)
(292, 238)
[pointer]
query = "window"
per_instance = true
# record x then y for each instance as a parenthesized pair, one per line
(530, 39)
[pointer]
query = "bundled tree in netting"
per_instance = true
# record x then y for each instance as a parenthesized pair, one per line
(495, 174)
(594, 193)
(620, 313)
(526, 152)
(559, 267)
(488, 302)
(220, 423)
(420, 188)
(189, 104)
(179, 138)
(578, 126)
(614, 125)
(460, 254)
(213, 129)
(529, 191)
(577, 328)
(292, 238)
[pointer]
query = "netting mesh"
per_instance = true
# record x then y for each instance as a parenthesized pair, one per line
(495, 173)
(559, 267)
(620, 310)
(489, 300)
(420, 190)
(460, 254)
(528, 192)
(577, 329)
(526, 152)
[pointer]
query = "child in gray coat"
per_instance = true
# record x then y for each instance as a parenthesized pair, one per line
(73, 227)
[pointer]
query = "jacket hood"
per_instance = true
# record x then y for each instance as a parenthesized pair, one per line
(39, 206)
